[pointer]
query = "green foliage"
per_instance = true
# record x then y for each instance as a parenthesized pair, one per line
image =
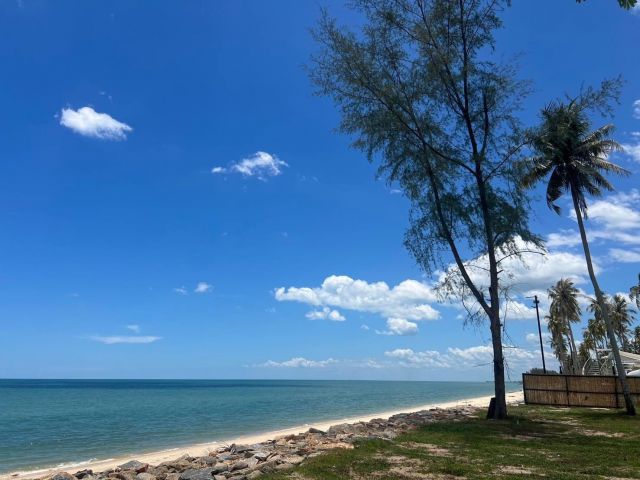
(634, 293)
(420, 95)
(574, 158)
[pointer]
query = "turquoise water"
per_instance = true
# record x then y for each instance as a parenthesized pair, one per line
(45, 423)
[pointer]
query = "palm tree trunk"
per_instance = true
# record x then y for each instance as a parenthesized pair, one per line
(622, 375)
(574, 352)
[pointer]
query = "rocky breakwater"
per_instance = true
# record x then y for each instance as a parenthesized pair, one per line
(246, 462)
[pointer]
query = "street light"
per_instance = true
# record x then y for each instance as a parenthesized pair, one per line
(536, 302)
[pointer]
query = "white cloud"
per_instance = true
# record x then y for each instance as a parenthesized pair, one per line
(461, 358)
(181, 291)
(632, 150)
(534, 270)
(364, 327)
(615, 218)
(326, 314)
(133, 339)
(625, 256)
(203, 287)
(399, 326)
(299, 362)
(563, 238)
(134, 328)
(409, 299)
(535, 338)
(86, 121)
(636, 104)
(260, 165)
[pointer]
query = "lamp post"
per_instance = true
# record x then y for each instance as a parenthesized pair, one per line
(536, 301)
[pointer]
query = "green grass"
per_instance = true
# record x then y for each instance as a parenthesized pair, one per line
(535, 442)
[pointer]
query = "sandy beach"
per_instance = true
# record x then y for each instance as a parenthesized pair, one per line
(202, 449)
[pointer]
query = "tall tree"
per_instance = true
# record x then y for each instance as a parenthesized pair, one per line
(622, 318)
(634, 293)
(596, 327)
(558, 330)
(565, 308)
(576, 161)
(419, 90)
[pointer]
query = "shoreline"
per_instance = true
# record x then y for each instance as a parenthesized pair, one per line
(202, 449)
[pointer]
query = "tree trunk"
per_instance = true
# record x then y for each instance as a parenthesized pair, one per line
(574, 352)
(631, 409)
(500, 410)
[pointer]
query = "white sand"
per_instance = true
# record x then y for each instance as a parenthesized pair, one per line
(202, 449)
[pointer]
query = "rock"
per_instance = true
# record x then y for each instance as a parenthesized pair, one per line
(315, 430)
(239, 448)
(83, 473)
(293, 459)
(261, 456)
(239, 466)
(145, 476)
(197, 474)
(208, 460)
(124, 475)
(254, 474)
(134, 465)
(62, 476)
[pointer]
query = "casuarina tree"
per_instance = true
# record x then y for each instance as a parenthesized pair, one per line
(421, 90)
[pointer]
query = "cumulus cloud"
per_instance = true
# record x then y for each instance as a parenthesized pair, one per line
(406, 300)
(636, 104)
(325, 314)
(260, 165)
(181, 291)
(203, 287)
(299, 362)
(134, 328)
(534, 270)
(399, 326)
(615, 218)
(632, 150)
(86, 121)
(459, 358)
(118, 339)
(624, 256)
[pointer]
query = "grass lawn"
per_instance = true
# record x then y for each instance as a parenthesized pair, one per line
(536, 442)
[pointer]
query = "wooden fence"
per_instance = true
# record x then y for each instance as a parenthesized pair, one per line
(577, 390)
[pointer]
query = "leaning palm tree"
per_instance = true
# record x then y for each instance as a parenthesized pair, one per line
(564, 306)
(622, 318)
(558, 329)
(576, 161)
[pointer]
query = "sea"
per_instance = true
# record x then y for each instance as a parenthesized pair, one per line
(66, 423)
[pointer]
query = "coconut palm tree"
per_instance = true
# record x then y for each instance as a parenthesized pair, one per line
(595, 325)
(634, 293)
(622, 318)
(564, 307)
(576, 161)
(557, 329)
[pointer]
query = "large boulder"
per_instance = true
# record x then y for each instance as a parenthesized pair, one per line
(134, 465)
(197, 474)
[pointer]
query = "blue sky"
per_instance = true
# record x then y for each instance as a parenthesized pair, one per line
(124, 254)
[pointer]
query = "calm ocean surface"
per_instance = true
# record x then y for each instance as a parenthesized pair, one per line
(45, 423)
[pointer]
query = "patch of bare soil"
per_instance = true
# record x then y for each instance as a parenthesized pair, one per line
(435, 450)
(596, 433)
(513, 470)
